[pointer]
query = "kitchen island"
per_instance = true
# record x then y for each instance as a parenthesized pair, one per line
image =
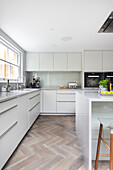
(90, 106)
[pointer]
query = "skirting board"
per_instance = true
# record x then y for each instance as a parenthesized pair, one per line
(58, 114)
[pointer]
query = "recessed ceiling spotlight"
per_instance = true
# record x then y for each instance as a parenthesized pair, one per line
(52, 29)
(66, 38)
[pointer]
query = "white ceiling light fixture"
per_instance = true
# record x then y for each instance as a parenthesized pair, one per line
(66, 38)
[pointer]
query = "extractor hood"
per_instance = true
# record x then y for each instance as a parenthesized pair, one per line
(107, 27)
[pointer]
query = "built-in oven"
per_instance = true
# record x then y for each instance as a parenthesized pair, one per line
(108, 76)
(91, 80)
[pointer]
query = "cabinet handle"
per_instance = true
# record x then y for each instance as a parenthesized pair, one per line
(34, 96)
(34, 106)
(6, 131)
(8, 109)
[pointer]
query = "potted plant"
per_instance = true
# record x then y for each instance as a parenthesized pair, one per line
(103, 85)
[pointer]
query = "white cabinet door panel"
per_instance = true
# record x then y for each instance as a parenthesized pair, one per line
(60, 62)
(74, 61)
(107, 60)
(49, 101)
(32, 62)
(93, 61)
(46, 61)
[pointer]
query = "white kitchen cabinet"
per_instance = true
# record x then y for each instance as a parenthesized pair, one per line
(93, 61)
(33, 107)
(8, 129)
(65, 107)
(60, 62)
(32, 62)
(46, 61)
(66, 101)
(22, 116)
(107, 60)
(16, 117)
(74, 62)
(49, 101)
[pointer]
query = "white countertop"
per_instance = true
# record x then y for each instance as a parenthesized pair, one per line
(94, 96)
(4, 96)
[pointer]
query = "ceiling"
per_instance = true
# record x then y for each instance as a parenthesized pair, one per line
(39, 25)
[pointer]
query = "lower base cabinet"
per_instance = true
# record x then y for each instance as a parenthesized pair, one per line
(58, 102)
(16, 117)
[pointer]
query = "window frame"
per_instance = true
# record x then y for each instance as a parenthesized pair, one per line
(19, 53)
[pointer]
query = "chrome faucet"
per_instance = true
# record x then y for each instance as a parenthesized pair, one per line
(22, 84)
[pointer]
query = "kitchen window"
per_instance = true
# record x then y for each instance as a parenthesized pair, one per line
(10, 62)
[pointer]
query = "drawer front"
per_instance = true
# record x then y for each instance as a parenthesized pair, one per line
(8, 104)
(33, 114)
(34, 100)
(8, 116)
(8, 142)
(65, 107)
(66, 91)
(32, 94)
(65, 97)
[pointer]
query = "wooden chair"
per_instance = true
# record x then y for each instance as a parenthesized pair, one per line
(107, 122)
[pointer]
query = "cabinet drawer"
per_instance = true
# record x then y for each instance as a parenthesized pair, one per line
(66, 97)
(33, 114)
(34, 100)
(8, 115)
(64, 91)
(8, 143)
(33, 94)
(65, 107)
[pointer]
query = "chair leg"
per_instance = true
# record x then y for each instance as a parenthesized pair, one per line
(98, 146)
(111, 151)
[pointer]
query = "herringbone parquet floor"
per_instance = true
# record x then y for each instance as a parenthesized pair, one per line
(51, 144)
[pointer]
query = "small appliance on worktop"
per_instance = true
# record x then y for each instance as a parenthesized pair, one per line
(35, 83)
(73, 85)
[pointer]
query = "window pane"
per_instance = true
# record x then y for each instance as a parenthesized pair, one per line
(14, 72)
(12, 57)
(1, 69)
(3, 52)
(6, 70)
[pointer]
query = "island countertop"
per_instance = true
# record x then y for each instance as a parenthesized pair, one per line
(94, 96)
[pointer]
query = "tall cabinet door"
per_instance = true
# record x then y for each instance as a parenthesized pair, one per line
(32, 62)
(107, 60)
(74, 61)
(60, 61)
(46, 61)
(49, 101)
(93, 61)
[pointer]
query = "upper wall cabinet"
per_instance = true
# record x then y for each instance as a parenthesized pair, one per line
(46, 61)
(60, 62)
(74, 62)
(93, 61)
(107, 60)
(32, 62)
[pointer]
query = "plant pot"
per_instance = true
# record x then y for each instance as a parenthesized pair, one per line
(101, 88)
